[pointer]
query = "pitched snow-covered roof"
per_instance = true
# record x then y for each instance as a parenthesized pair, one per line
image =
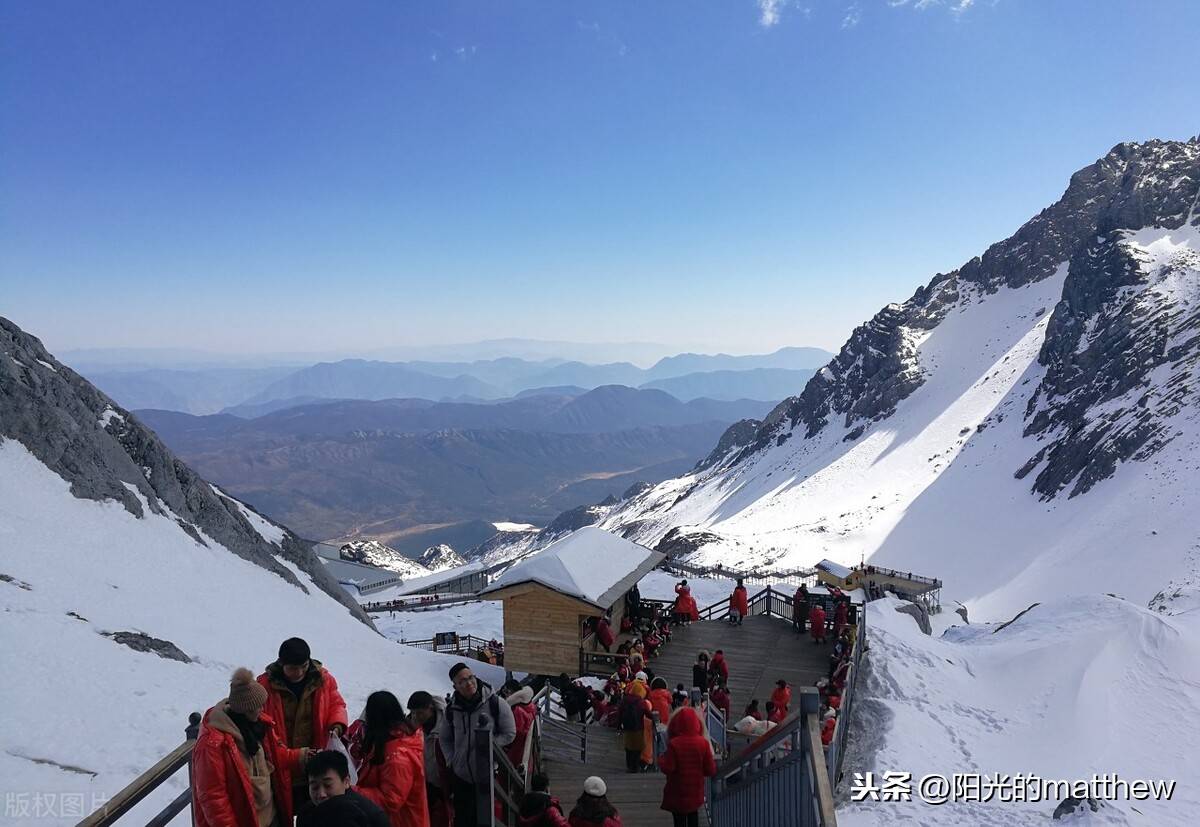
(591, 564)
(836, 569)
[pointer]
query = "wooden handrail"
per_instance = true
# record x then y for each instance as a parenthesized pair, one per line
(824, 793)
(148, 782)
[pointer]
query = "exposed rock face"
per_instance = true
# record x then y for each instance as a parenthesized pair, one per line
(441, 557)
(105, 453)
(919, 614)
(736, 436)
(1129, 309)
(1126, 312)
(375, 553)
(144, 643)
(682, 541)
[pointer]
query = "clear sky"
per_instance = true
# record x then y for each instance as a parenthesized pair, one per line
(734, 176)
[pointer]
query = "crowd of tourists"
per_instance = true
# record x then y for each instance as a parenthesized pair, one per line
(282, 749)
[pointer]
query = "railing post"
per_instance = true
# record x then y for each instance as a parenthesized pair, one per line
(192, 732)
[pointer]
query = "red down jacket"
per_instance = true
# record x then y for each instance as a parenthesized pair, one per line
(687, 762)
(221, 786)
(738, 602)
(326, 703)
(398, 784)
(685, 604)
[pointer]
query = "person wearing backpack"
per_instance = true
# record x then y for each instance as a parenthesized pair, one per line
(473, 707)
(634, 709)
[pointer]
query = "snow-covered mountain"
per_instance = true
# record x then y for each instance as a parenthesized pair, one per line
(1025, 422)
(131, 589)
(441, 557)
(375, 553)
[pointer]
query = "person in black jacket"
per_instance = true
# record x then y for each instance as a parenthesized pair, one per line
(334, 803)
(700, 672)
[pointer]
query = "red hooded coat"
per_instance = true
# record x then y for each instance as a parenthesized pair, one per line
(687, 762)
(221, 788)
(816, 619)
(738, 601)
(718, 667)
(685, 604)
(781, 696)
(398, 784)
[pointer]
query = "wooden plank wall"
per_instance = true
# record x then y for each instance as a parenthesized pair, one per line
(541, 633)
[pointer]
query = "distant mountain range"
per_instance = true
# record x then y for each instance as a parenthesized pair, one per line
(250, 392)
(381, 468)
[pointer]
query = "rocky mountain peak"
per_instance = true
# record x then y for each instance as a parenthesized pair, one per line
(1134, 186)
(105, 453)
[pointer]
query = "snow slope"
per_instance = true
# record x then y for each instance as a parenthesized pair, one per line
(79, 699)
(1074, 687)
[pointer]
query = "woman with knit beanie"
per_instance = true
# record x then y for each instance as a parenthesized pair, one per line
(593, 809)
(392, 762)
(237, 759)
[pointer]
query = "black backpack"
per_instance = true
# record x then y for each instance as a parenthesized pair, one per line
(631, 716)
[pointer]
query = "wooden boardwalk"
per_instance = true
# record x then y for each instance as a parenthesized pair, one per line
(761, 651)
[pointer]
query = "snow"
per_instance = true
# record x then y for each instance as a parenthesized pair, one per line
(265, 528)
(108, 416)
(836, 569)
(931, 489)
(585, 564)
(113, 711)
(46, 364)
(375, 553)
(1077, 686)
(515, 527)
(482, 618)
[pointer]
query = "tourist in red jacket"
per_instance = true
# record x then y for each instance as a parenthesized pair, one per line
(718, 668)
(781, 696)
(538, 807)
(604, 633)
(687, 763)
(719, 695)
(739, 605)
(816, 619)
(685, 609)
(521, 702)
(238, 762)
(593, 808)
(840, 616)
(304, 701)
(391, 762)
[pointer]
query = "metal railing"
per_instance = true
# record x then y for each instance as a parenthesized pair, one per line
(510, 783)
(780, 780)
(556, 729)
(837, 747)
(792, 577)
(457, 645)
(151, 780)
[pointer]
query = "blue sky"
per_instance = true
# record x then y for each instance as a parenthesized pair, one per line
(730, 176)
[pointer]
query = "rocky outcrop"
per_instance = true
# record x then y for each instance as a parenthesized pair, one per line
(140, 642)
(1122, 349)
(441, 557)
(379, 555)
(105, 453)
(682, 541)
(736, 436)
(919, 613)
(1123, 316)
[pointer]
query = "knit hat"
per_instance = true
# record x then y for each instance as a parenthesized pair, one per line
(829, 713)
(246, 695)
(641, 676)
(595, 786)
(294, 652)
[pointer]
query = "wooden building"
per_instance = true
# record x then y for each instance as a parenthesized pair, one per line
(549, 597)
